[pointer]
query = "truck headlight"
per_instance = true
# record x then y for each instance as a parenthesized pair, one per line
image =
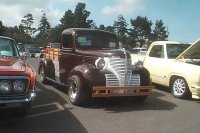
(18, 87)
(5, 87)
(100, 63)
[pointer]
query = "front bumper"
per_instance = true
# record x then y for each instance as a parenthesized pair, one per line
(195, 90)
(117, 91)
(7, 102)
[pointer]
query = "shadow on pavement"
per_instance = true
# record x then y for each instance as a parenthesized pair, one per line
(47, 115)
(117, 105)
(125, 104)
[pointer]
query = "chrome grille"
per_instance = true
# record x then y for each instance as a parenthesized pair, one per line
(121, 73)
(111, 80)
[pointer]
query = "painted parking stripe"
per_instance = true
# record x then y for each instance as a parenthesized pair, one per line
(58, 105)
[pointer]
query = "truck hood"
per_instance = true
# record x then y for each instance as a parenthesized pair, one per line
(11, 64)
(104, 53)
(192, 52)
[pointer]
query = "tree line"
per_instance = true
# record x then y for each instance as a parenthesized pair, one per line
(139, 33)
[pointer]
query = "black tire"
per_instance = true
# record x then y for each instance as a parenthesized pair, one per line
(179, 88)
(42, 75)
(76, 93)
(144, 81)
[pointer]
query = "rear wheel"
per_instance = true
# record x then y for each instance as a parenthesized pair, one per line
(75, 91)
(179, 88)
(42, 76)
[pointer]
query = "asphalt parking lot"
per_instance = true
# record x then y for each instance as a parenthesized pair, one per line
(52, 112)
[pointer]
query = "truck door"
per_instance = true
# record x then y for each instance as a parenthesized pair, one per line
(67, 53)
(155, 62)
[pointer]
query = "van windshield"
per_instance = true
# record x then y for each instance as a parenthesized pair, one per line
(96, 40)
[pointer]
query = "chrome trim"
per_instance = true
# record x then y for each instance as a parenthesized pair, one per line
(121, 73)
(14, 78)
(126, 62)
(10, 100)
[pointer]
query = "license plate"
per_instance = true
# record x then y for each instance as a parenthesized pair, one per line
(118, 91)
(128, 91)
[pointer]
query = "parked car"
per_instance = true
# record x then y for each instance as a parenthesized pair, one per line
(138, 56)
(176, 66)
(33, 50)
(138, 50)
(21, 48)
(17, 77)
(36, 52)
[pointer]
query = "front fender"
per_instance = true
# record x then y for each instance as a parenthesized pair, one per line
(89, 73)
(145, 79)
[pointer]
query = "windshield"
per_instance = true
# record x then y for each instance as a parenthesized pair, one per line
(8, 47)
(98, 40)
(174, 50)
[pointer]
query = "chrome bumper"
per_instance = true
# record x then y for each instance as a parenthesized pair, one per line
(114, 91)
(17, 101)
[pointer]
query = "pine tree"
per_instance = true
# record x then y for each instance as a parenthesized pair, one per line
(142, 29)
(160, 32)
(67, 21)
(27, 23)
(121, 29)
(44, 29)
(2, 28)
(81, 17)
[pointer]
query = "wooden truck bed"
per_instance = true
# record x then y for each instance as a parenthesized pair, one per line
(52, 53)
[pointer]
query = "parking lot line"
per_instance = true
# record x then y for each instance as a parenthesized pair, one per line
(58, 105)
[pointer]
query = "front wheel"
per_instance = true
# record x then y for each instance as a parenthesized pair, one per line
(75, 90)
(179, 88)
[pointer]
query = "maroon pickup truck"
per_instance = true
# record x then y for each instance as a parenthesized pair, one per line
(17, 77)
(90, 64)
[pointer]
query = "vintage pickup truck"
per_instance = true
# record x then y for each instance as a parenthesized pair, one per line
(90, 64)
(17, 77)
(170, 66)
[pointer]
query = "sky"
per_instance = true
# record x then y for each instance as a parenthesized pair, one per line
(181, 17)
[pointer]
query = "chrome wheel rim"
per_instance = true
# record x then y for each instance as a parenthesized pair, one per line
(179, 87)
(73, 90)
